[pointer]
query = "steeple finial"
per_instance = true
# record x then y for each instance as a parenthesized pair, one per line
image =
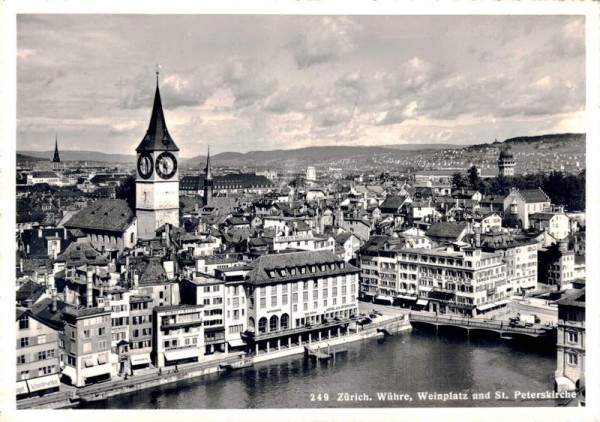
(157, 72)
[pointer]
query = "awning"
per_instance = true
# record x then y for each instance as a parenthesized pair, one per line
(70, 372)
(486, 307)
(181, 354)
(141, 359)
(406, 297)
(368, 294)
(236, 342)
(42, 383)
(383, 297)
(102, 359)
(503, 302)
(422, 302)
(94, 371)
(22, 387)
(88, 361)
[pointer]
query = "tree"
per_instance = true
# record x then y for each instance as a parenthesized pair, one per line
(458, 181)
(126, 190)
(473, 177)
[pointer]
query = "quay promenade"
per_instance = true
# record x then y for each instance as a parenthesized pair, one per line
(70, 396)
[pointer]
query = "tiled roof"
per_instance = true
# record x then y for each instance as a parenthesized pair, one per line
(84, 312)
(392, 203)
(262, 266)
(446, 230)
(228, 181)
(105, 214)
(81, 253)
(43, 311)
(534, 195)
(30, 290)
(577, 298)
(152, 272)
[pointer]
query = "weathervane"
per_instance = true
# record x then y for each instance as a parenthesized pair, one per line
(157, 71)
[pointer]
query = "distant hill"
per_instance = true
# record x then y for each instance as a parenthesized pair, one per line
(353, 157)
(314, 154)
(28, 158)
(561, 137)
(81, 156)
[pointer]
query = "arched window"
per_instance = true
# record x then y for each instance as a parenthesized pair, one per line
(285, 321)
(262, 325)
(251, 323)
(274, 323)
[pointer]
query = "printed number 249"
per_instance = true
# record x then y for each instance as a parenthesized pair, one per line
(319, 397)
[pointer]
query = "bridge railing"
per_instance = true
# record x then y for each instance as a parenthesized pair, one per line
(467, 322)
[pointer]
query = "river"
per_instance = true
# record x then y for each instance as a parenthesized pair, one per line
(446, 364)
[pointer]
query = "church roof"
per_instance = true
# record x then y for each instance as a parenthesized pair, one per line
(157, 137)
(103, 214)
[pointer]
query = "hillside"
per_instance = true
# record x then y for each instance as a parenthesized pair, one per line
(81, 156)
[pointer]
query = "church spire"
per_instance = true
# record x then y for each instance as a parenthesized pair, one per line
(157, 136)
(207, 170)
(56, 158)
(208, 181)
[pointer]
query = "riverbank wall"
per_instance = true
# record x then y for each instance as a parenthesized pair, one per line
(121, 386)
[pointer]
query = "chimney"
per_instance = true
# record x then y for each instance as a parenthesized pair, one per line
(40, 232)
(477, 237)
(54, 307)
(89, 288)
(168, 234)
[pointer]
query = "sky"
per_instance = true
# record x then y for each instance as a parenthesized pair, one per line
(244, 82)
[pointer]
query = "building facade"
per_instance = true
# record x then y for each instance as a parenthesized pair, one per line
(38, 355)
(178, 334)
(570, 346)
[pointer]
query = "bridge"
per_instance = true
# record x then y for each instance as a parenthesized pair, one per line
(501, 327)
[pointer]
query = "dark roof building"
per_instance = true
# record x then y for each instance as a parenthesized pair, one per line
(112, 215)
(447, 232)
(297, 266)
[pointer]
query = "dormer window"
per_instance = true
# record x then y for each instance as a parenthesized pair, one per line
(271, 273)
(292, 271)
(302, 270)
(342, 265)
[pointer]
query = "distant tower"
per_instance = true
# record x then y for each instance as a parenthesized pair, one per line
(506, 163)
(208, 181)
(311, 174)
(56, 158)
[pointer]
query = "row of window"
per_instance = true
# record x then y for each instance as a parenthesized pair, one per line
(43, 355)
(44, 370)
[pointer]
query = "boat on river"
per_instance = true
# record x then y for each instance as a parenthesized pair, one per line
(242, 363)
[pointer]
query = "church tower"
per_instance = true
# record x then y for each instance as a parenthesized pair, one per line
(506, 163)
(56, 158)
(157, 178)
(208, 181)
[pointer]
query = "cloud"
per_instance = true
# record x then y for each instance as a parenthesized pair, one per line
(287, 100)
(247, 83)
(326, 39)
(186, 89)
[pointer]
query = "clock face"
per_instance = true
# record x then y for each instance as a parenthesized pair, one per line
(145, 166)
(166, 165)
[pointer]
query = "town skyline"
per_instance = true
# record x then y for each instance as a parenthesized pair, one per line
(288, 82)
